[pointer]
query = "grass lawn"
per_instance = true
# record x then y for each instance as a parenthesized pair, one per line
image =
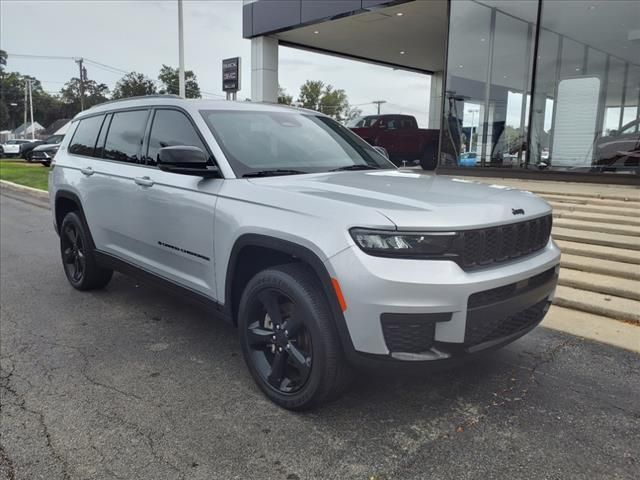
(34, 175)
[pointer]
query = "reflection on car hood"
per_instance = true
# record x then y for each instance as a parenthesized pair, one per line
(46, 146)
(414, 200)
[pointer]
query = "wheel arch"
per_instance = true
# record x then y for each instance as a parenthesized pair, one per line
(65, 202)
(283, 251)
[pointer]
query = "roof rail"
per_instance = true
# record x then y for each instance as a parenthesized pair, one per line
(155, 95)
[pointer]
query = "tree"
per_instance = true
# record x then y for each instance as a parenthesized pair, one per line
(3, 60)
(283, 98)
(353, 113)
(315, 95)
(94, 93)
(171, 84)
(133, 84)
(334, 103)
(46, 108)
(310, 93)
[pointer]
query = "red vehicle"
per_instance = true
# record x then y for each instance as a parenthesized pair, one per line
(401, 137)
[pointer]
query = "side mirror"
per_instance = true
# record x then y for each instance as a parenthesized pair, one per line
(186, 160)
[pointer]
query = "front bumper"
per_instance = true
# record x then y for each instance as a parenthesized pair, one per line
(42, 156)
(425, 310)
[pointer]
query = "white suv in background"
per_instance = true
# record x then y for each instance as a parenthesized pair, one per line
(288, 225)
(11, 148)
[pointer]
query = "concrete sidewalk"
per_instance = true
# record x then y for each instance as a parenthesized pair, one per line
(623, 193)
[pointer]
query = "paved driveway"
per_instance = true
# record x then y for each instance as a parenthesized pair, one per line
(131, 383)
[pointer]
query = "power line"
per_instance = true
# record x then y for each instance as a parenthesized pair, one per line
(48, 57)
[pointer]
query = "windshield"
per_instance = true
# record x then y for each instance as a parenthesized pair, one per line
(54, 139)
(362, 122)
(290, 142)
(631, 127)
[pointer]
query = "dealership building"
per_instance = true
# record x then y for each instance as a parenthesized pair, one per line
(524, 88)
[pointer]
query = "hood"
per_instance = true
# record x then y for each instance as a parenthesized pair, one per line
(418, 201)
(46, 147)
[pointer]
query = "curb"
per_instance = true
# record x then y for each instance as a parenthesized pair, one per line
(23, 188)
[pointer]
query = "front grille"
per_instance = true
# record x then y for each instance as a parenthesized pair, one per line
(481, 330)
(410, 333)
(487, 246)
(488, 297)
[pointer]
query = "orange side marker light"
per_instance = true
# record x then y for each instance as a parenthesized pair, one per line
(338, 290)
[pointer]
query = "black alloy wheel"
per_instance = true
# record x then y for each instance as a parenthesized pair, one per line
(78, 259)
(279, 343)
(289, 338)
(73, 253)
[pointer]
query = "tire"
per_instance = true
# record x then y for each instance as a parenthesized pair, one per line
(27, 157)
(429, 160)
(46, 163)
(289, 339)
(78, 259)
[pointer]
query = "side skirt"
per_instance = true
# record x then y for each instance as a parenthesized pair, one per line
(107, 260)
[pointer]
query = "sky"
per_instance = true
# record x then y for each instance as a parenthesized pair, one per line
(138, 35)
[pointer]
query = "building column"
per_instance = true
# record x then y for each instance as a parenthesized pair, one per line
(435, 100)
(264, 69)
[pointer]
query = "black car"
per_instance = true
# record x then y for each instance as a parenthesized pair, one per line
(26, 149)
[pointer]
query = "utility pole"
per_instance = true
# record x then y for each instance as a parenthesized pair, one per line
(181, 51)
(33, 133)
(378, 103)
(26, 88)
(83, 74)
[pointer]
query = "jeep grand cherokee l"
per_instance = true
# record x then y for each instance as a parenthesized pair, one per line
(288, 225)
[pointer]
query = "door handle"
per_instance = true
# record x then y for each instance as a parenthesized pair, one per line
(144, 181)
(88, 171)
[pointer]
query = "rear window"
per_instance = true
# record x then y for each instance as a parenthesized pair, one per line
(124, 138)
(84, 138)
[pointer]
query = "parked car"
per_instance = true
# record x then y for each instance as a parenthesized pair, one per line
(11, 148)
(44, 153)
(401, 137)
(26, 149)
(620, 149)
(292, 228)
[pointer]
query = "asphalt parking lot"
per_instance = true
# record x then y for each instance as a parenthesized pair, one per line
(131, 383)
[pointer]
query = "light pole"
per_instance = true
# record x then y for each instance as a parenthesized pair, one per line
(181, 51)
(473, 119)
(33, 133)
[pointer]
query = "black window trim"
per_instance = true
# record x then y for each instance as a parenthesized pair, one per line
(152, 108)
(106, 123)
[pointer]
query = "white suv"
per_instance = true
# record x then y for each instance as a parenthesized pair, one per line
(291, 227)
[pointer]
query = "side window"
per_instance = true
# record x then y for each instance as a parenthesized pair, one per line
(124, 138)
(170, 128)
(84, 138)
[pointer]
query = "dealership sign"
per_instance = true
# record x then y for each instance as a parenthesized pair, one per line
(231, 74)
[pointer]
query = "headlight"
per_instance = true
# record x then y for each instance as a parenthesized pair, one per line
(404, 244)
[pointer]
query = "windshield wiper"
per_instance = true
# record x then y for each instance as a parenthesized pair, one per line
(355, 167)
(274, 172)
